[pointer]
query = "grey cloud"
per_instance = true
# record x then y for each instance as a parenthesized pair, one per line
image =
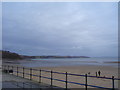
(61, 29)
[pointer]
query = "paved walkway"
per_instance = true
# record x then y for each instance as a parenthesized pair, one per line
(12, 81)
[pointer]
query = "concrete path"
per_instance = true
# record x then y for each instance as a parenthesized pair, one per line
(12, 81)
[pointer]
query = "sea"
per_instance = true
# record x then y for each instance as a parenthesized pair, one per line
(56, 62)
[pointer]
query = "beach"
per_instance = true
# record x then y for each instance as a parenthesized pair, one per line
(106, 71)
(90, 70)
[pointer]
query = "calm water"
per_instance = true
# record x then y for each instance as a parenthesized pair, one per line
(69, 62)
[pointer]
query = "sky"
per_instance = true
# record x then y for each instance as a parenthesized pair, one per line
(61, 28)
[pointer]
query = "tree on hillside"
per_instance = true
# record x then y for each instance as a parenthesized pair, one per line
(10, 55)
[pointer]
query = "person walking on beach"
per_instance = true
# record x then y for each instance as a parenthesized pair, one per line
(99, 73)
(89, 73)
(96, 74)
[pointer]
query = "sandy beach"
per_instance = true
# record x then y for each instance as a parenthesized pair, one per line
(106, 71)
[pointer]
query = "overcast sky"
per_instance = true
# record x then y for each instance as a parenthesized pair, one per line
(82, 28)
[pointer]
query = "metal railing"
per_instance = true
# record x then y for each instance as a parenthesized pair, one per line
(12, 69)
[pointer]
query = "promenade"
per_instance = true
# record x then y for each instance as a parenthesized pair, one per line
(12, 81)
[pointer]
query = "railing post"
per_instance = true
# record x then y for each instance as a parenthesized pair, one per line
(85, 81)
(2, 67)
(51, 78)
(17, 70)
(66, 80)
(113, 87)
(30, 73)
(23, 72)
(8, 69)
(40, 77)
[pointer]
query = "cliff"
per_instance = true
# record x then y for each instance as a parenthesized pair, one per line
(10, 55)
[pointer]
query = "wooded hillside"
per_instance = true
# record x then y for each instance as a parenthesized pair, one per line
(10, 55)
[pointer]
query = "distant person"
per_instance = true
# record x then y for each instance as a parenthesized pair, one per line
(99, 73)
(89, 73)
(96, 74)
